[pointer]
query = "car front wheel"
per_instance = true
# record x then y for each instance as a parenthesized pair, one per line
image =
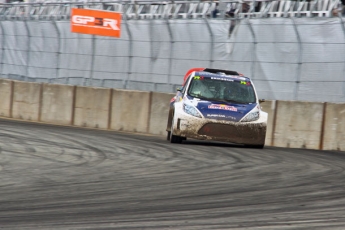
(173, 138)
(256, 146)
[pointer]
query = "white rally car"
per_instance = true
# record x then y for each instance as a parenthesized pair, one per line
(219, 105)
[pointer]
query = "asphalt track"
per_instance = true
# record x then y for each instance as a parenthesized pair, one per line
(55, 177)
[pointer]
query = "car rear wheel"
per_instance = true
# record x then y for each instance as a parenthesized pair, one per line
(173, 138)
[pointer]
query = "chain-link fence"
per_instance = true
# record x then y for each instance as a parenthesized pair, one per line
(288, 58)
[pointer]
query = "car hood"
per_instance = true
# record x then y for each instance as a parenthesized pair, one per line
(221, 110)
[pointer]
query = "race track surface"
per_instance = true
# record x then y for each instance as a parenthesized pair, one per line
(72, 178)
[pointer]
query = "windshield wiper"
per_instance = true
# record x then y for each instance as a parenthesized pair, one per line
(234, 101)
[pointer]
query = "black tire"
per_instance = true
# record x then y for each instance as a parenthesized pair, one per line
(256, 146)
(173, 138)
(168, 135)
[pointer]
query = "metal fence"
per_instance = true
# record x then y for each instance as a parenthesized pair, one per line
(288, 58)
(174, 9)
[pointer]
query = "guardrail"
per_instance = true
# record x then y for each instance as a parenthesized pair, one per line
(175, 9)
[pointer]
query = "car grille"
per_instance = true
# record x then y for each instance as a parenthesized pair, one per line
(219, 130)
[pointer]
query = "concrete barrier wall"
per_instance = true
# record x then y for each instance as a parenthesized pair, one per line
(298, 124)
(92, 107)
(26, 100)
(6, 97)
(334, 127)
(293, 124)
(130, 111)
(57, 104)
(269, 107)
(159, 113)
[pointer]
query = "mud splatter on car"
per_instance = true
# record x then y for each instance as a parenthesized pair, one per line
(219, 105)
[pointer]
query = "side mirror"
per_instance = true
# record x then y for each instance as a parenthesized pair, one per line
(179, 89)
(262, 100)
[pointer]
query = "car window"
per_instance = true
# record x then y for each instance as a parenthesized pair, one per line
(222, 89)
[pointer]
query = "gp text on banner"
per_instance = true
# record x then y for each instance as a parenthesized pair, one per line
(96, 22)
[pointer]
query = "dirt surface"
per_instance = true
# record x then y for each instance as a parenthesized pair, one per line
(70, 178)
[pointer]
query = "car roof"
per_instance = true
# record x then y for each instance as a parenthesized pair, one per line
(221, 73)
(227, 72)
(218, 72)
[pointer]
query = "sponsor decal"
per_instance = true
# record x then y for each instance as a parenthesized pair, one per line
(221, 78)
(237, 77)
(198, 77)
(215, 115)
(223, 107)
(232, 118)
(245, 83)
(97, 22)
(220, 116)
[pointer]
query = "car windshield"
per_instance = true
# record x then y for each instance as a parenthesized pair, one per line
(222, 89)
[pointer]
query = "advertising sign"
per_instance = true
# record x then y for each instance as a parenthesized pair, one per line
(97, 22)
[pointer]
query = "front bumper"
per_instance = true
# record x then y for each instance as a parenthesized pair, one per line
(250, 133)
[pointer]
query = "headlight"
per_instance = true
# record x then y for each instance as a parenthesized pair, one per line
(252, 116)
(191, 110)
